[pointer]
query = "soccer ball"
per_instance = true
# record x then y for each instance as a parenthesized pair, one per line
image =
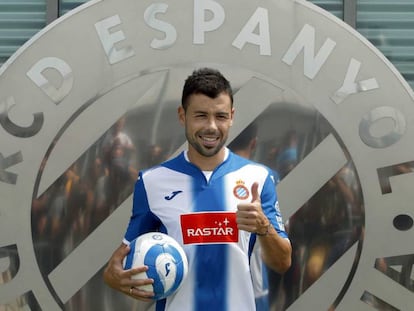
(166, 261)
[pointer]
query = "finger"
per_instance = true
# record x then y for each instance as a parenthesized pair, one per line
(129, 273)
(243, 209)
(255, 192)
(141, 294)
(246, 221)
(244, 227)
(141, 284)
(122, 251)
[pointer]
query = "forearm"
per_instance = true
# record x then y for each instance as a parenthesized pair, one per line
(276, 250)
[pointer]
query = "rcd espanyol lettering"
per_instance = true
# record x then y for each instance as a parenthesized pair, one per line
(110, 41)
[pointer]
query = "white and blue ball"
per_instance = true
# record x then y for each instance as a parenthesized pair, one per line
(166, 260)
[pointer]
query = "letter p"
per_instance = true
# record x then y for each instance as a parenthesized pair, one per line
(201, 25)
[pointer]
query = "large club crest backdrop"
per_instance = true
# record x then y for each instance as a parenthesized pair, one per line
(91, 100)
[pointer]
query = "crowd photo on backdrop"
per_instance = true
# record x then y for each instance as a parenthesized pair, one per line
(218, 205)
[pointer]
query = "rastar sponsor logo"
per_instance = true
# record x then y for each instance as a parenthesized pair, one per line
(204, 228)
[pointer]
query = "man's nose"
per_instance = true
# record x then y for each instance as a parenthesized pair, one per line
(212, 124)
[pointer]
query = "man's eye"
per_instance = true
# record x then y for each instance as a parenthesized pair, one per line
(222, 117)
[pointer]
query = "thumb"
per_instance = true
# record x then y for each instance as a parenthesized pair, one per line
(123, 251)
(255, 192)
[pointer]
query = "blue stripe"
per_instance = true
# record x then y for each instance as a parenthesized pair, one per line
(150, 261)
(252, 242)
(210, 289)
(129, 260)
(160, 305)
(211, 286)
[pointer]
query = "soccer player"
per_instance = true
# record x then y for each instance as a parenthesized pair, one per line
(216, 204)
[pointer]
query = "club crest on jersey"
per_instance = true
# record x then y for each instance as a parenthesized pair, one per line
(240, 191)
(209, 227)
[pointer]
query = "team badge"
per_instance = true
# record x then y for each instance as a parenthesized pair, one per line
(240, 191)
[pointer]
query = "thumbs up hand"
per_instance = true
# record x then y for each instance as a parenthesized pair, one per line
(250, 216)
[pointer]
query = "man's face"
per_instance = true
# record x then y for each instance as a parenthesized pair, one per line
(207, 122)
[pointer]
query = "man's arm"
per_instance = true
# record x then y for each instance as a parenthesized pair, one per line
(276, 250)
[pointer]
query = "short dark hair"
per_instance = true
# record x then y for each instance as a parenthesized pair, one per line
(206, 81)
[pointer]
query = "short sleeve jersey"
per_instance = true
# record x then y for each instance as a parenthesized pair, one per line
(176, 198)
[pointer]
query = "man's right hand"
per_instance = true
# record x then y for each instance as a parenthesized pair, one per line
(118, 278)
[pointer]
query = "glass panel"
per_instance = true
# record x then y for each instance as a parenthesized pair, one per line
(389, 25)
(336, 7)
(84, 197)
(19, 21)
(67, 5)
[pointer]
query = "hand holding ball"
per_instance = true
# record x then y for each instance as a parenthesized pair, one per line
(166, 261)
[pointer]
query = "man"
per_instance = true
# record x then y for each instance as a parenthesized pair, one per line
(203, 187)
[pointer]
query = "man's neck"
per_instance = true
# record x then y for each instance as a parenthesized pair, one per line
(206, 163)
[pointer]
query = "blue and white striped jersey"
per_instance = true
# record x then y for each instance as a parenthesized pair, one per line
(176, 198)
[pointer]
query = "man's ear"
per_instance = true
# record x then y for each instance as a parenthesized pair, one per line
(181, 115)
(232, 116)
(253, 143)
